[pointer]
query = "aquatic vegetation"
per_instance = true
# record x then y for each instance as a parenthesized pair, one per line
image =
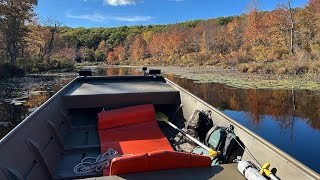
(4, 124)
(18, 91)
(245, 83)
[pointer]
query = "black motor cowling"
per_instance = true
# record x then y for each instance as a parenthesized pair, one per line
(154, 72)
(85, 72)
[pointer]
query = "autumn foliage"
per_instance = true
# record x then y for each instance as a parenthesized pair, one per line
(112, 57)
(285, 37)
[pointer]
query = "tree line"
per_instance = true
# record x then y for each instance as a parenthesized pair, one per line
(249, 42)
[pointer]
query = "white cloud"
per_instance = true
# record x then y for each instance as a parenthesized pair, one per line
(131, 18)
(96, 17)
(121, 2)
(91, 17)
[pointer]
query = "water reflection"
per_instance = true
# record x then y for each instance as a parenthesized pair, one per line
(117, 71)
(35, 92)
(282, 105)
(288, 119)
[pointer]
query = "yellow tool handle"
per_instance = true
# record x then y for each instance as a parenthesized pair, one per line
(265, 171)
(162, 117)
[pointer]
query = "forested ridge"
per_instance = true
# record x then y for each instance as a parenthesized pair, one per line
(283, 41)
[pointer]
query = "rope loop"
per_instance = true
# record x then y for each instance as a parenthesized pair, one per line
(95, 164)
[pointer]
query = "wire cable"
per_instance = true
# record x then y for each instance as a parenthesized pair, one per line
(251, 155)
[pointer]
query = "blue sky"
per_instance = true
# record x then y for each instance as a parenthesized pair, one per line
(110, 13)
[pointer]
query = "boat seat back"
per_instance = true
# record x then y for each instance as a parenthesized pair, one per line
(134, 139)
(158, 160)
(131, 130)
(126, 116)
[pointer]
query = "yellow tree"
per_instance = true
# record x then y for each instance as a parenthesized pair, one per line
(287, 13)
(175, 42)
(257, 34)
(156, 45)
(102, 51)
(146, 36)
(41, 39)
(235, 31)
(314, 6)
(14, 15)
(253, 32)
(194, 39)
(207, 32)
(34, 40)
(50, 36)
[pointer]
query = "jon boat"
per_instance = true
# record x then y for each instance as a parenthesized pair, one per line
(93, 115)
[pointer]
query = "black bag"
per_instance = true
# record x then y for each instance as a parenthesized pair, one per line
(198, 126)
(229, 145)
(205, 124)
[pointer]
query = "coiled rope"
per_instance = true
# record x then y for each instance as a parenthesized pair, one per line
(95, 164)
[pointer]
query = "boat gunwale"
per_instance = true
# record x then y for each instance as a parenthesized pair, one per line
(272, 147)
(34, 113)
(65, 88)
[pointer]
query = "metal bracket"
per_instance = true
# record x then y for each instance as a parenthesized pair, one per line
(65, 119)
(39, 156)
(11, 173)
(56, 135)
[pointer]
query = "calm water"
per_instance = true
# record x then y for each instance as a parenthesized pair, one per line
(32, 94)
(289, 120)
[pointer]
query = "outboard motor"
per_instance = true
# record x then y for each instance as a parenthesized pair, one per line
(85, 72)
(155, 72)
(144, 69)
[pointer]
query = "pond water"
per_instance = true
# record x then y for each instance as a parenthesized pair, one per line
(30, 93)
(288, 119)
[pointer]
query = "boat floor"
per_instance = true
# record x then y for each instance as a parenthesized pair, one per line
(219, 172)
(82, 140)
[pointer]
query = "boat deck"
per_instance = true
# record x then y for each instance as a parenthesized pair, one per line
(219, 172)
(97, 93)
(99, 87)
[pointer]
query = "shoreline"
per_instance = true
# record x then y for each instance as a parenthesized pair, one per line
(234, 78)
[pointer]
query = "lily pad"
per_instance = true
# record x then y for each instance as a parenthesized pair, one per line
(5, 124)
(32, 109)
(16, 102)
(252, 84)
(7, 100)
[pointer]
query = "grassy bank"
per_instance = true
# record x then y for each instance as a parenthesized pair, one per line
(237, 79)
(35, 67)
(289, 67)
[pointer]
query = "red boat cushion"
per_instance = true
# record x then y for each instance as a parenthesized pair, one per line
(126, 116)
(134, 139)
(159, 160)
(131, 130)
